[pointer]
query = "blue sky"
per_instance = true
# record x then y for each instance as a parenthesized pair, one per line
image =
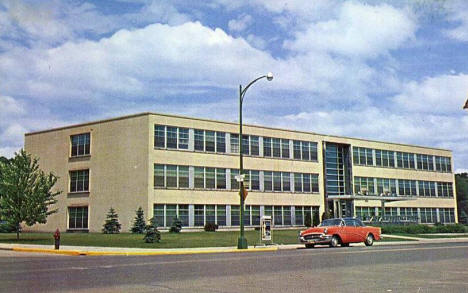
(382, 70)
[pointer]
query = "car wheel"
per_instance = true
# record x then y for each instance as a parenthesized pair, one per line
(369, 240)
(309, 245)
(334, 241)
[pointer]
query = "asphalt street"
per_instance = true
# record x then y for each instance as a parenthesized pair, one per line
(406, 268)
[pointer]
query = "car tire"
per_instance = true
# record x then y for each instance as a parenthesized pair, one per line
(309, 245)
(334, 241)
(369, 240)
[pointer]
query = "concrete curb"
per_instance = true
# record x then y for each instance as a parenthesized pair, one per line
(130, 253)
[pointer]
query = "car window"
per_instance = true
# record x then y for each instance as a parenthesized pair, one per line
(330, 222)
(358, 223)
(349, 222)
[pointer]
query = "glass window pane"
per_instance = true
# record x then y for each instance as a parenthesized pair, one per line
(183, 138)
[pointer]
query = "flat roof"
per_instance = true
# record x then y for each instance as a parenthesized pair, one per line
(224, 122)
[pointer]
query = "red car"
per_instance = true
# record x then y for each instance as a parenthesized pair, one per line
(340, 231)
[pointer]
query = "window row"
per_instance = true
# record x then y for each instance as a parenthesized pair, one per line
(229, 215)
(384, 158)
(421, 215)
(174, 176)
(215, 141)
(394, 187)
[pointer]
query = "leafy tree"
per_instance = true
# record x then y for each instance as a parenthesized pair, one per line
(112, 225)
(139, 223)
(25, 191)
(461, 182)
(176, 225)
(152, 232)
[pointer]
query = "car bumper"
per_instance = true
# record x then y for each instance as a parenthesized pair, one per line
(318, 239)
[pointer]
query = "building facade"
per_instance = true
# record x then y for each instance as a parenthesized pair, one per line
(183, 167)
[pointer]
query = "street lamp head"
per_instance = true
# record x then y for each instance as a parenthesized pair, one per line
(269, 76)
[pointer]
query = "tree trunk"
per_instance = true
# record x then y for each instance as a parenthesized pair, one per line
(17, 231)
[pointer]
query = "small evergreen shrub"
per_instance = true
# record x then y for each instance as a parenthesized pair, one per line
(152, 232)
(211, 227)
(176, 225)
(112, 225)
(139, 222)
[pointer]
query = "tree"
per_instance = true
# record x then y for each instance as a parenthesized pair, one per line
(176, 225)
(25, 191)
(152, 232)
(139, 223)
(112, 225)
(461, 182)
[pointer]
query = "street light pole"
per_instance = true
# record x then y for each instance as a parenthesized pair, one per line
(242, 241)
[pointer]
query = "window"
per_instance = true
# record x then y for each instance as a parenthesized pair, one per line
(79, 181)
(78, 218)
(220, 142)
(444, 189)
(234, 182)
(426, 188)
(286, 178)
(278, 215)
(362, 156)
(184, 214)
(306, 182)
(304, 150)
(254, 180)
(384, 158)
(443, 164)
(171, 133)
(268, 181)
(221, 215)
(364, 185)
(277, 181)
(171, 137)
(255, 215)
(365, 213)
(183, 138)
(298, 182)
(405, 160)
(254, 145)
(220, 178)
(267, 147)
(80, 144)
(210, 214)
(425, 162)
(199, 140)
(171, 213)
(276, 143)
(428, 215)
(171, 176)
(245, 145)
(407, 187)
(297, 149)
(386, 187)
(286, 215)
(209, 177)
(158, 212)
(159, 176)
(235, 215)
(159, 136)
(209, 141)
(234, 143)
(285, 148)
(247, 216)
(183, 177)
(314, 181)
(199, 181)
(446, 215)
(199, 215)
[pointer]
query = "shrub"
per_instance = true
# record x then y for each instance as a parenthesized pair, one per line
(210, 227)
(176, 225)
(139, 222)
(112, 225)
(152, 232)
(6, 227)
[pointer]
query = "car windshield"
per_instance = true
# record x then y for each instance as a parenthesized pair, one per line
(330, 222)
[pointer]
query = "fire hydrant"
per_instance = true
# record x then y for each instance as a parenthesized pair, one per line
(57, 238)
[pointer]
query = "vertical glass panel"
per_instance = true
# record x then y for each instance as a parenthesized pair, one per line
(221, 215)
(171, 137)
(171, 213)
(159, 136)
(158, 212)
(171, 176)
(184, 214)
(210, 215)
(277, 181)
(256, 215)
(306, 182)
(209, 141)
(245, 145)
(298, 213)
(234, 183)
(220, 178)
(285, 148)
(313, 151)
(199, 181)
(297, 149)
(297, 182)
(305, 151)
(183, 138)
(199, 137)
(254, 145)
(268, 181)
(267, 147)
(235, 215)
(286, 178)
(209, 178)
(234, 143)
(276, 147)
(220, 142)
(199, 215)
(286, 215)
(183, 177)
(254, 180)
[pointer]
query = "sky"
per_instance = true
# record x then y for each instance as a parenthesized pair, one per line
(392, 71)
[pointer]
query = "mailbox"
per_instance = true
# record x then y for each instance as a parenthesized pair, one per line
(265, 224)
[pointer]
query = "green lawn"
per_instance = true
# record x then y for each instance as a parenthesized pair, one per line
(168, 240)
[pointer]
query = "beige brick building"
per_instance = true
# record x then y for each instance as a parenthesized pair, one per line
(180, 166)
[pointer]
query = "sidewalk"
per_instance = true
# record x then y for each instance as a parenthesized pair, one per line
(93, 250)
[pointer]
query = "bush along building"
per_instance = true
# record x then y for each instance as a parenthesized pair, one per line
(183, 167)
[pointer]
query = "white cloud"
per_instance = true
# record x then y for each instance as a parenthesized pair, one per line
(458, 15)
(241, 23)
(359, 31)
(13, 133)
(441, 94)
(9, 106)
